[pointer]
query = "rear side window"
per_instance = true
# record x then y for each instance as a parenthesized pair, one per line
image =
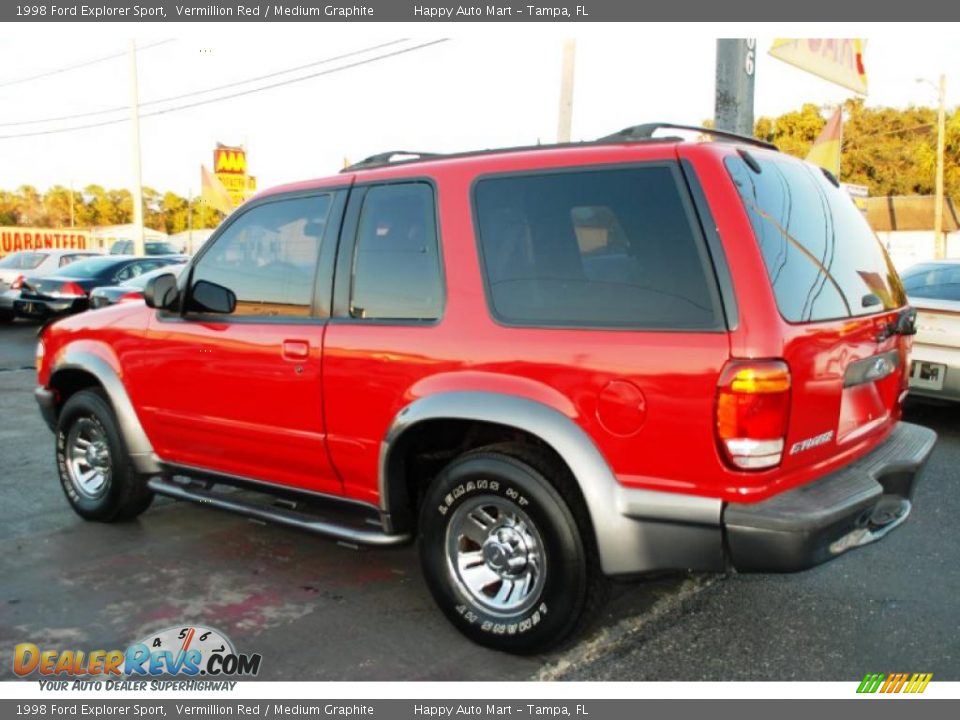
(935, 282)
(396, 266)
(70, 259)
(594, 248)
(823, 260)
(22, 260)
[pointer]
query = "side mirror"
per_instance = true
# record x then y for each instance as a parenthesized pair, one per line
(161, 291)
(212, 298)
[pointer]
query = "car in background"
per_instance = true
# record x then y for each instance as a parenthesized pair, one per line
(36, 263)
(131, 289)
(67, 291)
(934, 290)
(150, 247)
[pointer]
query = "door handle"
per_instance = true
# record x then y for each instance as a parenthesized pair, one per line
(296, 349)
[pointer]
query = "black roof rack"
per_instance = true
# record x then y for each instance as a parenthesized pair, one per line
(645, 132)
(386, 158)
(637, 133)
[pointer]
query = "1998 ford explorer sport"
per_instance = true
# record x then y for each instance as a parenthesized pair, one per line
(549, 365)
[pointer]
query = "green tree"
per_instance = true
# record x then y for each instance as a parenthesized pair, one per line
(892, 151)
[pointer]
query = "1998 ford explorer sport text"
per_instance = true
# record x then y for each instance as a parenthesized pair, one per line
(548, 366)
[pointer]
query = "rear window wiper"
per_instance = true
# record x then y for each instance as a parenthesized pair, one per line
(905, 324)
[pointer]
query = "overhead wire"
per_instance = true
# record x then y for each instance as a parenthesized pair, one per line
(194, 93)
(78, 66)
(207, 101)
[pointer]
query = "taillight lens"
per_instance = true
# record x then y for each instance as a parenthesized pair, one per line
(753, 408)
(132, 295)
(17, 284)
(71, 288)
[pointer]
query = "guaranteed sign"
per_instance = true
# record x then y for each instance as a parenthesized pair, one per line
(15, 239)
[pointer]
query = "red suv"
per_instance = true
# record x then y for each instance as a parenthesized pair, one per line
(549, 365)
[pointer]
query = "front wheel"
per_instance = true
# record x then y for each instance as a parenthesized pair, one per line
(503, 554)
(96, 472)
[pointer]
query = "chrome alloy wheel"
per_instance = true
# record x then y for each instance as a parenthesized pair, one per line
(496, 555)
(88, 458)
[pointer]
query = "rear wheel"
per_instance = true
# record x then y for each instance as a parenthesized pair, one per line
(6, 317)
(96, 472)
(503, 554)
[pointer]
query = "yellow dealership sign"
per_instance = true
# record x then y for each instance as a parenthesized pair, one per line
(839, 60)
(230, 167)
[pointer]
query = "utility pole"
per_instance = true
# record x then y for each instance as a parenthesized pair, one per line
(565, 121)
(190, 220)
(939, 241)
(135, 137)
(736, 69)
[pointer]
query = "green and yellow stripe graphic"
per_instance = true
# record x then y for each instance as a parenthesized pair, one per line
(894, 682)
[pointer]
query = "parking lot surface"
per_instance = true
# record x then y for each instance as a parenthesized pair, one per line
(319, 611)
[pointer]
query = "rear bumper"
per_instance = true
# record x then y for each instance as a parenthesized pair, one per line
(7, 298)
(32, 308)
(853, 506)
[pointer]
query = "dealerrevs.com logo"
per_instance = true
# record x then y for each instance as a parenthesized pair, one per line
(180, 651)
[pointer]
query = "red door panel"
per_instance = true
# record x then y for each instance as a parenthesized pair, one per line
(239, 398)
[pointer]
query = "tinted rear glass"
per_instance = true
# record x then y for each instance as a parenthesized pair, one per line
(605, 248)
(91, 268)
(22, 260)
(936, 282)
(140, 282)
(159, 248)
(822, 258)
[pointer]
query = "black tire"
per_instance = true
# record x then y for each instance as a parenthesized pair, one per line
(123, 494)
(511, 478)
(6, 317)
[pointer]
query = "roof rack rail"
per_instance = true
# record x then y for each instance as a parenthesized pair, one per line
(645, 132)
(387, 158)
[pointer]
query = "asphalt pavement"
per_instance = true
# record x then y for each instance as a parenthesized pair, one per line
(317, 610)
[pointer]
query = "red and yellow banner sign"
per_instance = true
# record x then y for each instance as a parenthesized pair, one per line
(839, 60)
(825, 151)
(14, 239)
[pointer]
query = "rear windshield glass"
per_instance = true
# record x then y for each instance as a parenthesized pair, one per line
(140, 281)
(936, 282)
(90, 268)
(822, 258)
(594, 248)
(159, 248)
(22, 260)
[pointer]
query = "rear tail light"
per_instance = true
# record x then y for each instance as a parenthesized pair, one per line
(71, 288)
(753, 407)
(17, 284)
(132, 295)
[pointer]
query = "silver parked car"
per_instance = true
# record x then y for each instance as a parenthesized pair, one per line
(934, 290)
(35, 263)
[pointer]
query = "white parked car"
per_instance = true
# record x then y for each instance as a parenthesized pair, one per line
(934, 290)
(35, 263)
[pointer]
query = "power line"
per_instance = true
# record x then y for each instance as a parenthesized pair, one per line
(194, 93)
(207, 101)
(70, 68)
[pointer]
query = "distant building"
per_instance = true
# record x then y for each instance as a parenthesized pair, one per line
(904, 224)
(189, 241)
(102, 238)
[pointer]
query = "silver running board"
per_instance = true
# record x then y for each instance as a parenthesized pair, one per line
(281, 516)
